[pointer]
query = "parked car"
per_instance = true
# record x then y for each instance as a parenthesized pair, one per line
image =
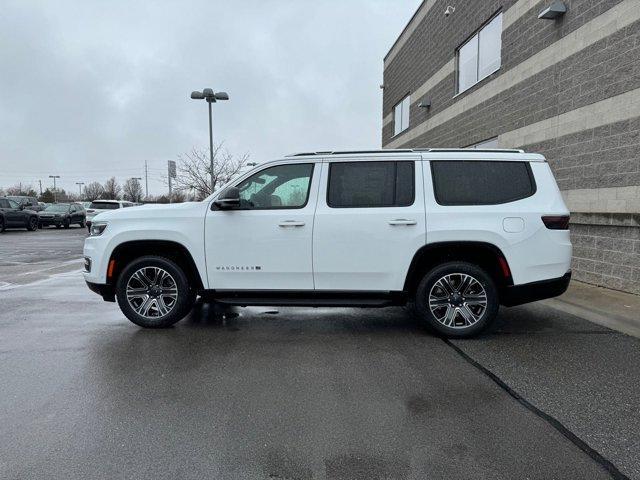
(98, 206)
(15, 215)
(455, 232)
(30, 203)
(62, 215)
(85, 205)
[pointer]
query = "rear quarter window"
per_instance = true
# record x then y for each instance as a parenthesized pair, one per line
(460, 182)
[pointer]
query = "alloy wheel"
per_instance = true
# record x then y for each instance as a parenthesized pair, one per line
(152, 292)
(457, 300)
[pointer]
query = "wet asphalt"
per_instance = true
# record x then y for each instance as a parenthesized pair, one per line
(302, 393)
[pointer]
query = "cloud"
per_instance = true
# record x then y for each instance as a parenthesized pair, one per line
(92, 89)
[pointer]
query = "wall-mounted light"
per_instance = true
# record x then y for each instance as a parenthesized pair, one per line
(553, 11)
(449, 10)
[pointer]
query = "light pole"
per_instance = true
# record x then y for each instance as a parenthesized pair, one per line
(137, 194)
(208, 95)
(80, 188)
(54, 187)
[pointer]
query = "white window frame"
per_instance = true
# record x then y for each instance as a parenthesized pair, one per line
(477, 37)
(403, 108)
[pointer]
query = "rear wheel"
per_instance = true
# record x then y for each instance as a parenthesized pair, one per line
(32, 224)
(457, 299)
(154, 292)
(67, 224)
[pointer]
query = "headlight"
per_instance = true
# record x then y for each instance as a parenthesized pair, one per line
(97, 228)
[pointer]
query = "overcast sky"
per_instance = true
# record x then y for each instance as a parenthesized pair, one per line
(90, 89)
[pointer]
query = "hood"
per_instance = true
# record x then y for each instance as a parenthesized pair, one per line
(151, 211)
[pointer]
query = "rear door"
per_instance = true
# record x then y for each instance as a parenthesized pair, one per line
(369, 223)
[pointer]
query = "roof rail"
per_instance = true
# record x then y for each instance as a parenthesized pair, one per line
(350, 152)
(486, 150)
(407, 150)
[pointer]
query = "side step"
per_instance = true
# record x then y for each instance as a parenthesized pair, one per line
(281, 298)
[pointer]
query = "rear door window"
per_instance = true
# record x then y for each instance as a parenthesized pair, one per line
(459, 182)
(371, 184)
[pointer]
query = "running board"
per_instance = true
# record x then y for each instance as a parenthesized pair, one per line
(282, 298)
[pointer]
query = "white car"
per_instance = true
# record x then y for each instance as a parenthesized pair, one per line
(98, 206)
(458, 232)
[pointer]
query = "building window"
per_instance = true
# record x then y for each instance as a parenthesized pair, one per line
(480, 56)
(490, 143)
(371, 184)
(401, 115)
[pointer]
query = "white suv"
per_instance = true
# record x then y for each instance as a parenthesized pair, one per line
(456, 232)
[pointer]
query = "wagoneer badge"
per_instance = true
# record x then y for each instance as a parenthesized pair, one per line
(239, 268)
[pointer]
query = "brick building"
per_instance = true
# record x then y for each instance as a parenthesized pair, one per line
(491, 73)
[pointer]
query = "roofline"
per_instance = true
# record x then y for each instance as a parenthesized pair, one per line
(413, 17)
(405, 150)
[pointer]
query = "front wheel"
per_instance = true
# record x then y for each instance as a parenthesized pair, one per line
(32, 224)
(154, 292)
(1, 224)
(82, 223)
(67, 223)
(457, 300)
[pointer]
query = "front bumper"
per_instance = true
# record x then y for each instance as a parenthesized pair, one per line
(531, 292)
(107, 292)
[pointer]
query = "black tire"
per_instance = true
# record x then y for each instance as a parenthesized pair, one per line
(82, 223)
(478, 317)
(58, 225)
(1, 224)
(32, 224)
(185, 296)
(67, 224)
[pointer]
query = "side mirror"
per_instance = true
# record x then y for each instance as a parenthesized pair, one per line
(228, 199)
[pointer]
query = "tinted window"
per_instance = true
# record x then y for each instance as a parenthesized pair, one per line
(104, 205)
(370, 184)
(481, 183)
(4, 203)
(282, 186)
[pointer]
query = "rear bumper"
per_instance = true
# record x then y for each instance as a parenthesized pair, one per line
(107, 292)
(531, 292)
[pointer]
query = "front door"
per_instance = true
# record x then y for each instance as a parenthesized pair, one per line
(265, 243)
(370, 221)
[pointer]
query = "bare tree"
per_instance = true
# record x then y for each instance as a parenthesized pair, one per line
(93, 191)
(132, 190)
(21, 189)
(194, 170)
(112, 189)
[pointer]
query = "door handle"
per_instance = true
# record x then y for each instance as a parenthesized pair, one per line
(402, 221)
(291, 223)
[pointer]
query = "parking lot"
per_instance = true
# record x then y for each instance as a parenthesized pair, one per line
(298, 393)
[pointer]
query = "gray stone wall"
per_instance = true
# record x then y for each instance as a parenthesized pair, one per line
(606, 250)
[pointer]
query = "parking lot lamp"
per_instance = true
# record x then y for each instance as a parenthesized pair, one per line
(208, 95)
(137, 179)
(80, 188)
(55, 200)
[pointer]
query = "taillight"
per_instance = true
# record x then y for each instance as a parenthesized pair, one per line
(556, 222)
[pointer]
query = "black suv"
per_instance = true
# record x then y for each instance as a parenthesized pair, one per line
(29, 203)
(15, 215)
(63, 215)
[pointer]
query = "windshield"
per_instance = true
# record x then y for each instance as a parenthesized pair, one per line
(104, 205)
(61, 207)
